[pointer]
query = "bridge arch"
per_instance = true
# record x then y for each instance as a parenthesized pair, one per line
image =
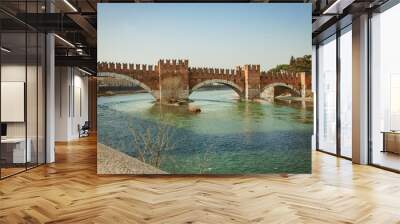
(232, 85)
(130, 79)
(281, 84)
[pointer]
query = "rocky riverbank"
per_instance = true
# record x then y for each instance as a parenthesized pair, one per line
(111, 161)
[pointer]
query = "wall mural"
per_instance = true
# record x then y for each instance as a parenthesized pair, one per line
(215, 88)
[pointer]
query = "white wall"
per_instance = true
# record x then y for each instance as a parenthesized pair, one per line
(13, 72)
(33, 126)
(62, 81)
(71, 87)
(80, 109)
(10, 73)
(17, 73)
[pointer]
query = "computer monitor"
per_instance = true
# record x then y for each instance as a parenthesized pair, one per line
(3, 129)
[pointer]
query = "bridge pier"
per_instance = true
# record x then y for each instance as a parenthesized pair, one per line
(173, 80)
(303, 85)
(252, 82)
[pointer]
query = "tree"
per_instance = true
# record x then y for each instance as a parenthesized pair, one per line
(151, 143)
(300, 64)
(292, 61)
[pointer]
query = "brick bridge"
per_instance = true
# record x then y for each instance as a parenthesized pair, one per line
(174, 80)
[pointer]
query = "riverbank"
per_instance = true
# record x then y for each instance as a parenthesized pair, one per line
(288, 99)
(111, 161)
(293, 98)
(121, 92)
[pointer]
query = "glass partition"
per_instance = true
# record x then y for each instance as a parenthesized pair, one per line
(41, 97)
(327, 95)
(13, 94)
(31, 98)
(22, 77)
(346, 92)
(385, 89)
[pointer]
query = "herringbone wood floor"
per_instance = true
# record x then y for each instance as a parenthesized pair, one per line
(69, 191)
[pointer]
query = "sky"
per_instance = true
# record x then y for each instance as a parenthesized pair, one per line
(221, 35)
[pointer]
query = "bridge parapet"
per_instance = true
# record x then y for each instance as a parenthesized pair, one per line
(213, 71)
(289, 78)
(127, 68)
(273, 75)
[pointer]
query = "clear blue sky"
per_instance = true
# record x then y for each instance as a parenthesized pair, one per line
(209, 35)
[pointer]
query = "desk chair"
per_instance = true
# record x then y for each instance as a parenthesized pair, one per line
(84, 130)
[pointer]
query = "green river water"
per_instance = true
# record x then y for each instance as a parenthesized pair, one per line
(227, 137)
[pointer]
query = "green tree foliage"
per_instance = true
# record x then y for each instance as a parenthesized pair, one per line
(300, 64)
(292, 61)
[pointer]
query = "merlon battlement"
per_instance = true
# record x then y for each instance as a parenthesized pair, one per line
(280, 75)
(125, 67)
(213, 71)
(173, 62)
(255, 68)
(174, 65)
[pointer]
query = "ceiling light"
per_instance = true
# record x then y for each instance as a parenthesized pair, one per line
(70, 5)
(5, 50)
(337, 7)
(64, 40)
(79, 51)
(330, 8)
(86, 72)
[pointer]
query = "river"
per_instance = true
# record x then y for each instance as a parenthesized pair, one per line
(227, 137)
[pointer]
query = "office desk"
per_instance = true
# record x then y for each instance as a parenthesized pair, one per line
(13, 150)
(391, 141)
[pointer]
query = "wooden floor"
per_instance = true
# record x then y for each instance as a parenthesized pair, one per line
(5, 172)
(387, 159)
(69, 191)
